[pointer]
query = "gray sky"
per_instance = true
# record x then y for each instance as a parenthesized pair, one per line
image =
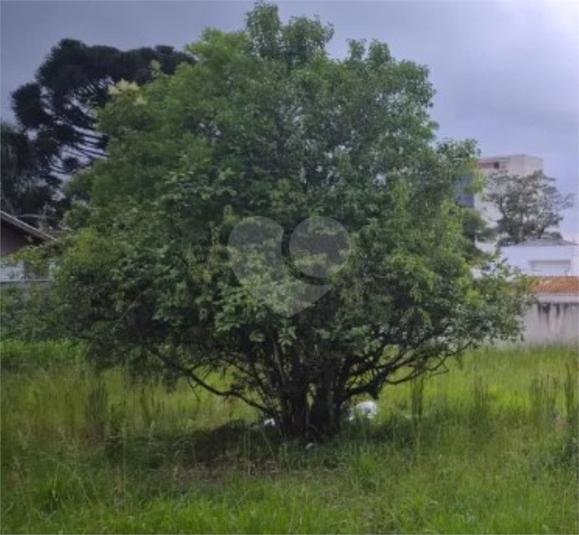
(506, 73)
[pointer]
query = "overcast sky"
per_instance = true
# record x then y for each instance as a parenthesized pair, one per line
(506, 73)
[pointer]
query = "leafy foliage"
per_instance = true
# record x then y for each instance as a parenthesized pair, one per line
(529, 206)
(18, 354)
(26, 313)
(267, 124)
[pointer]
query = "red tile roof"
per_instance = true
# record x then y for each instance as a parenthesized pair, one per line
(568, 285)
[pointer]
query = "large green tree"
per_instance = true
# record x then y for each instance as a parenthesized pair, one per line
(168, 274)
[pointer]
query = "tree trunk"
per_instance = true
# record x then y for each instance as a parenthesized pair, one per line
(295, 415)
(318, 421)
(324, 417)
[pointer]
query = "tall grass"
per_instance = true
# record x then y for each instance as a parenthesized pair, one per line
(489, 447)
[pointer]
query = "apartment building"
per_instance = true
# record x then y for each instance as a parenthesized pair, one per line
(516, 164)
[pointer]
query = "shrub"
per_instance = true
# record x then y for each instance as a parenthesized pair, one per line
(26, 313)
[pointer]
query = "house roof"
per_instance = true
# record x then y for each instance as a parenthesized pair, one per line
(14, 222)
(548, 285)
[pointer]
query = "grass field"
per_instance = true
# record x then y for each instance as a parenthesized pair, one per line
(490, 447)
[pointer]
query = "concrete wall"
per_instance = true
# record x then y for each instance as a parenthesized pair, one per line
(553, 320)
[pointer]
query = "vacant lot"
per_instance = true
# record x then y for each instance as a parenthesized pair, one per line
(490, 447)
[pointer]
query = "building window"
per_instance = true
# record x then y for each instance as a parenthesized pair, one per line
(463, 192)
(489, 165)
(466, 200)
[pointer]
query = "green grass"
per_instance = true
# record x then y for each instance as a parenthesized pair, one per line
(490, 447)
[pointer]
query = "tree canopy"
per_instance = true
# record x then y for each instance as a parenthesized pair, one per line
(57, 111)
(23, 191)
(530, 206)
(268, 125)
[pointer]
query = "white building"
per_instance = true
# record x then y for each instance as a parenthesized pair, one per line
(554, 316)
(517, 164)
(544, 258)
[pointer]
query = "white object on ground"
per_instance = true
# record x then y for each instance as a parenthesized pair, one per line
(364, 410)
(270, 422)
